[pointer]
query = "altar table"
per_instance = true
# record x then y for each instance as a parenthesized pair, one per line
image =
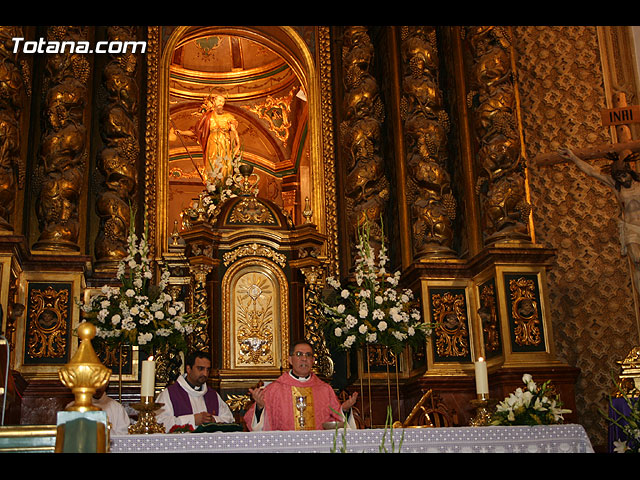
(570, 438)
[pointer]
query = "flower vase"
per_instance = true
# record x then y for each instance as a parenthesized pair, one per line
(376, 355)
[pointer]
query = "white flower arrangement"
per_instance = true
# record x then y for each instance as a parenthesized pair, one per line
(218, 190)
(374, 310)
(531, 405)
(138, 312)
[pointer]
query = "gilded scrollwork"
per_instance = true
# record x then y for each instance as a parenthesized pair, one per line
(366, 184)
(254, 249)
(118, 160)
(276, 111)
(63, 156)
(501, 181)
(525, 312)
(451, 332)
(48, 323)
(426, 124)
(250, 210)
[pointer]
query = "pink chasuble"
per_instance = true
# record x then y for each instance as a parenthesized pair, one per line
(280, 404)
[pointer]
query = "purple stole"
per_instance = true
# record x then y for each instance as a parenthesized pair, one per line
(182, 404)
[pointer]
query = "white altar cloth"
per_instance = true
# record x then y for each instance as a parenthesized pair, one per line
(570, 438)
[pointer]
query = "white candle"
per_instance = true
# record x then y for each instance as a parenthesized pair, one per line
(148, 383)
(482, 381)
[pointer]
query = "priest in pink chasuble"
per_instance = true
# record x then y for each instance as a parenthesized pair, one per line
(298, 399)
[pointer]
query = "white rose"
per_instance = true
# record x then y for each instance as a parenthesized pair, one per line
(130, 292)
(362, 329)
(344, 293)
(382, 326)
(337, 332)
(159, 315)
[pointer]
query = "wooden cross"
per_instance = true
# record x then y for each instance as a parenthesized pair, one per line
(620, 116)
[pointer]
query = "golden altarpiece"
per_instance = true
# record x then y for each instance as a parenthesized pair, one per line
(418, 126)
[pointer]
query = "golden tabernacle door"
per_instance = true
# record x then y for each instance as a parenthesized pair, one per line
(255, 322)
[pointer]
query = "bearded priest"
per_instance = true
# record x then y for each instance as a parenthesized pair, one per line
(189, 401)
(298, 399)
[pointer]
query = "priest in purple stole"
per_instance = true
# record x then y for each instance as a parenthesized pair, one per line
(298, 399)
(188, 401)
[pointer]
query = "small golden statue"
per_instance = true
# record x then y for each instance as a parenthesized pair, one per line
(629, 378)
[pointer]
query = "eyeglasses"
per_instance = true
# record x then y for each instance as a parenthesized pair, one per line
(303, 354)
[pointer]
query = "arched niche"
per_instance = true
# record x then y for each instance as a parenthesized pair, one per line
(301, 166)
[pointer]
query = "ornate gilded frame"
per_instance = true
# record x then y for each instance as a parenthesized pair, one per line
(313, 67)
(279, 311)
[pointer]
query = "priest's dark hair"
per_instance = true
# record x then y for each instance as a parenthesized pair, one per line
(190, 359)
(300, 341)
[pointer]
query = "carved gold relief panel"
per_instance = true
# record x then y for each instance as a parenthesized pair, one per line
(45, 339)
(524, 310)
(255, 315)
(47, 323)
(452, 339)
(489, 316)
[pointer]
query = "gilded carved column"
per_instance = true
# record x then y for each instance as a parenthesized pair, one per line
(63, 156)
(426, 127)
(12, 91)
(492, 102)
(366, 186)
(314, 283)
(118, 159)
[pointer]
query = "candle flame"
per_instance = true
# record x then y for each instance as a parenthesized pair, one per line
(150, 358)
(480, 359)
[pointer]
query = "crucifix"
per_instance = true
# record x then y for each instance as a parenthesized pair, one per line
(621, 179)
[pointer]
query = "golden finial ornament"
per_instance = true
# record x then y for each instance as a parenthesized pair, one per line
(84, 374)
(307, 213)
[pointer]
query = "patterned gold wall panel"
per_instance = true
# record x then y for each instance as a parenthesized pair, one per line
(590, 291)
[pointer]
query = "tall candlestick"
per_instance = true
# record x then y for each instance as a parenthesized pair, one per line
(482, 381)
(148, 383)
